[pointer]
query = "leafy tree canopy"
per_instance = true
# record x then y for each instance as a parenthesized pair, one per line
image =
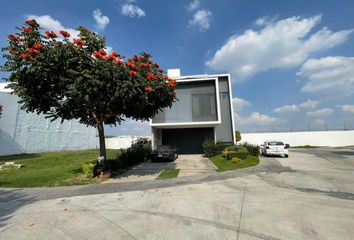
(76, 78)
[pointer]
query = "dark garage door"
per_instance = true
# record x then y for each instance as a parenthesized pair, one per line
(187, 140)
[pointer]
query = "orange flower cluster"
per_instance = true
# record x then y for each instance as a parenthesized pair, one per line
(14, 38)
(148, 89)
(65, 33)
(150, 76)
(27, 30)
(24, 56)
(37, 46)
(51, 34)
(32, 23)
(79, 42)
(33, 51)
(145, 65)
(131, 65)
(171, 83)
(132, 73)
(119, 62)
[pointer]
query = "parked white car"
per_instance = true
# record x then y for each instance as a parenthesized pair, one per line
(274, 148)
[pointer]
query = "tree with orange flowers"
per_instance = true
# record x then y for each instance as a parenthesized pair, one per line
(77, 79)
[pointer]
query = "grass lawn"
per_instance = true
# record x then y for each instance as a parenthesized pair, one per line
(304, 146)
(168, 173)
(225, 165)
(49, 169)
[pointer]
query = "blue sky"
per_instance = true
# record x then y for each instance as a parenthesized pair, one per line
(292, 62)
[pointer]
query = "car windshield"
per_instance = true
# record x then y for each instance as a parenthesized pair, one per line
(163, 147)
(275, 143)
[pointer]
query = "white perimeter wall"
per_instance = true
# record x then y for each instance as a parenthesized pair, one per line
(120, 142)
(320, 138)
(22, 132)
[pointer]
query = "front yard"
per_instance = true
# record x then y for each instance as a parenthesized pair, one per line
(49, 169)
(226, 165)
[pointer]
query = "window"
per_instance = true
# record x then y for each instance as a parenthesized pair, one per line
(203, 104)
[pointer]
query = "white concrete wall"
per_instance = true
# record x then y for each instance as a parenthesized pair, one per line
(318, 138)
(22, 132)
(122, 142)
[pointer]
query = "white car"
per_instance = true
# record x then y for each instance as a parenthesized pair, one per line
(275, 148)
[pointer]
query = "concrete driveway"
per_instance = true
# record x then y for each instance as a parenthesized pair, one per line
(189, 165)
(310, 195)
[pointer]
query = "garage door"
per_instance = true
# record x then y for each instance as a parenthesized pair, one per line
(187, 140)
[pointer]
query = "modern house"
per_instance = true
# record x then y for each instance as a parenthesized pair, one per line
(203, 111)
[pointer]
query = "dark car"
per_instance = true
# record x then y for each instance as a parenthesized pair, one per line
(163, 153)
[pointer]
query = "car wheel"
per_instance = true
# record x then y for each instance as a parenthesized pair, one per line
(286, 155)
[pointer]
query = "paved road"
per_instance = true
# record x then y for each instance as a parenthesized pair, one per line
(310, 195)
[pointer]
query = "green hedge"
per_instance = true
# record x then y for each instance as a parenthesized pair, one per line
(211, 148)
(137, 153)
(252, 149)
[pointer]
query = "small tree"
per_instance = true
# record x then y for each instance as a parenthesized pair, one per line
(79, 80)
(238, 136)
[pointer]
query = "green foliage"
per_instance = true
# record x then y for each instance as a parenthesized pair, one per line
(87, 168)
(211, 148)
(79, 80)
(235, 160)
(235, 151)
(238, 136)
(225, 165)
(137, 153)
(252, 149)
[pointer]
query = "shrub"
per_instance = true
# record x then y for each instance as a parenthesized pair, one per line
(238, 136)
(252, 149)
(241, 153)
(211, 148)
(87, 168)
(235, 160)
(137, 153)
(235, 151)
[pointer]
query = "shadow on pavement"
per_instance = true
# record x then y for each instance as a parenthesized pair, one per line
(10, 201)
(146, 169)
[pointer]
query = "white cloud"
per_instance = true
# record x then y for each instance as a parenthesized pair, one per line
(278, 45)
(347, 108)
(194, 5)
(287, 108)
(131, 10)
(101, 20)
(109, 49)
(320, 113)
(239, 103)
(48, 23)
(332, 75)
(257, 119)
(201, 19)
(309, 104)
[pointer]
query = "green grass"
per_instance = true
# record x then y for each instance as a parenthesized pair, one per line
(49, 169)
(304, 146)
(225, 165)
(168, 173)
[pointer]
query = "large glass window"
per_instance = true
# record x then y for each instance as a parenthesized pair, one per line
(203, 104)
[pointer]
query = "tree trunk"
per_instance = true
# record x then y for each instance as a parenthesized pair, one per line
(102, 140)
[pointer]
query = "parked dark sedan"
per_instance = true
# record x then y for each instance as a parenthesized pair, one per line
(163, 153)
